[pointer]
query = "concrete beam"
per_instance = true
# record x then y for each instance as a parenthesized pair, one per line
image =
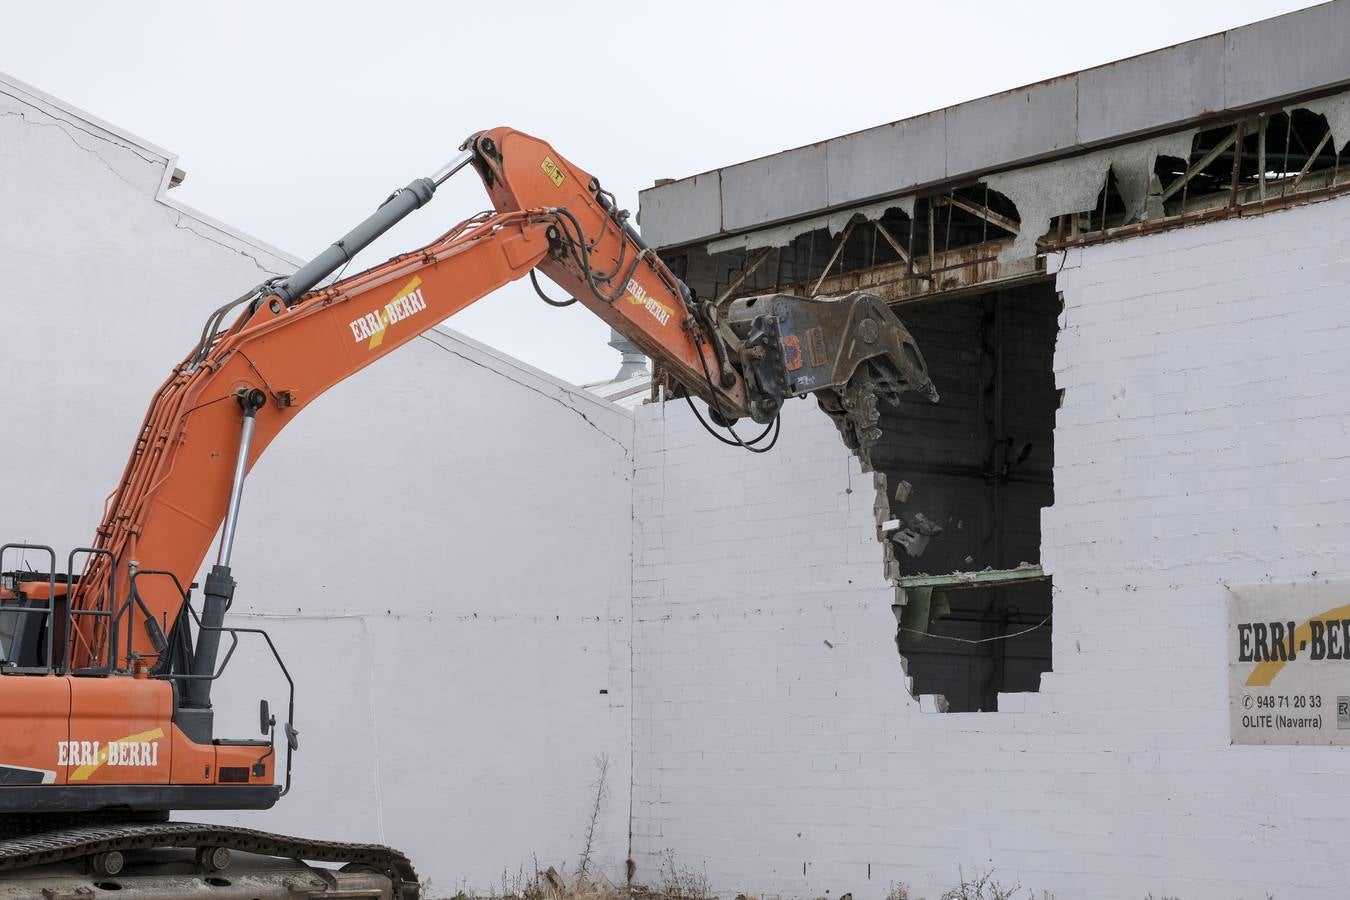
(1166, 88)
(868, 163)
(1301, 54)
(690, 205)
(774, 187)
(1028, 123)
(1287, 56)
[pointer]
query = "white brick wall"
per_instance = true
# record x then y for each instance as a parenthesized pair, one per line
(1204, 439)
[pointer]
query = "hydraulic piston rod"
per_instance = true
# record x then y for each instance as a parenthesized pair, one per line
(219, 590)
(250, 401)
(391, 212)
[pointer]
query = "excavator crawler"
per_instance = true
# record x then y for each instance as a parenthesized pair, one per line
(108, 654)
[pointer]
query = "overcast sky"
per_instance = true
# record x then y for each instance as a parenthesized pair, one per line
(294, 120)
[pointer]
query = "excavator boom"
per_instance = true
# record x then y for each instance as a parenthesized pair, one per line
(291, 342)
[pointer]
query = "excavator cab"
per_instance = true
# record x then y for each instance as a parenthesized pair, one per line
(13, 640)
(19, 640)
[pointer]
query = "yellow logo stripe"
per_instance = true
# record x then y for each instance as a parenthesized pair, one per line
(378, 337)
(1264, 673)
(83, 772)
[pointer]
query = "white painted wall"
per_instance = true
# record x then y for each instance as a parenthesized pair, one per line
(450, 539)
(440, 547)
(1202, 440)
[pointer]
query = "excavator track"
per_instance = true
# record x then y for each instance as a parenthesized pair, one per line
(19, 854)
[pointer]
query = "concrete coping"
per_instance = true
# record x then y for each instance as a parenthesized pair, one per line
(1300, 54)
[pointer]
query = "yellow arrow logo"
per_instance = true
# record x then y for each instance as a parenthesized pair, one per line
(378, 337)
(1264, 673)
(83, 772)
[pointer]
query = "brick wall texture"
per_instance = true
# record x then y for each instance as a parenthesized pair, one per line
(1204, 439)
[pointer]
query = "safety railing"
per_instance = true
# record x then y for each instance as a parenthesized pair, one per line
(93, 616)
(292, 740)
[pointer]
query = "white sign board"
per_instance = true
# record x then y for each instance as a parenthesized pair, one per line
(1289, 663)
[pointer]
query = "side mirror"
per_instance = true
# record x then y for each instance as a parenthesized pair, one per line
(292, 737)
(265, 719)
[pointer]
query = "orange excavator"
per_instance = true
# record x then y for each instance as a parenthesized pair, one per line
(107, 661)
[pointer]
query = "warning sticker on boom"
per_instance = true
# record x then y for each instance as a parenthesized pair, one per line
(1289, 663)
(551, 169)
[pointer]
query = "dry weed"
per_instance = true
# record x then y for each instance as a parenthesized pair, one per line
(981, 887)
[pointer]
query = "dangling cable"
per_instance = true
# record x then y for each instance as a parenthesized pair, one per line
(581, 253)
(213, 321)
(580, 250)
(776, 424)
(752, 444)
(545, 297)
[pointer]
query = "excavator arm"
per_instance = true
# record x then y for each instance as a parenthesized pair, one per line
(291, 340)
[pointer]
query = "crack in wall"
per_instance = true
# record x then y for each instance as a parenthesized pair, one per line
(130, 148)
(178, 223)
(627, 452)
(159, 163)
(61, 126)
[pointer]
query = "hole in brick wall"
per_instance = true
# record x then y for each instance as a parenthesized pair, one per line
(966, 481)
